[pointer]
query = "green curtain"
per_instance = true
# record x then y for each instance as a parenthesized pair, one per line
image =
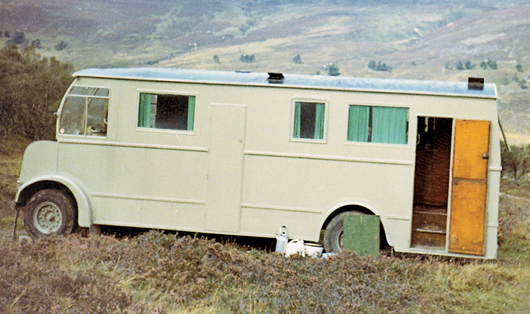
(191, 112)
(320, 115)
(358, 123)
(297, 114)
(144, 113)
(389, 125)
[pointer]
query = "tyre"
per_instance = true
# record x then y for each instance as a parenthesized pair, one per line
(50, 212)
(334, 233)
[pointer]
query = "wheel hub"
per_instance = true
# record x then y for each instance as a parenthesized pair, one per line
(47, 218)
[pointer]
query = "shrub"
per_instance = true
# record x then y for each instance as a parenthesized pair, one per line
(247, 58)
(516, 162)
(379, 66)
(36, 43)
(19, 38)
(61, 46)
(31, 87)
(492, 64)
(297, 59)
(332, 70)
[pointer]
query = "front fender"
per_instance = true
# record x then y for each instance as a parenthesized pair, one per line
(84, 203)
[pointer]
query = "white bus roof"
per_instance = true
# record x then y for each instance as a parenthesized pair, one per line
(293, 80)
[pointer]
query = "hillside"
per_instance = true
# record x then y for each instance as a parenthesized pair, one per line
(416, 39)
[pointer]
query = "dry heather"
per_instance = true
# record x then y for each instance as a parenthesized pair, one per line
(156, 271)
(163, 273)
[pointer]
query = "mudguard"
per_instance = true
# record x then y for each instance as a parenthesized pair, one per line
(84, 204)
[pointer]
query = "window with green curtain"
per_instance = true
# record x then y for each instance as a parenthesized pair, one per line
(191, 112)
(389, 125)
(144, 112)
(309, 120)
(377, 124)
(297, 114)
(319, 121)
(358, 123)
(167, 111)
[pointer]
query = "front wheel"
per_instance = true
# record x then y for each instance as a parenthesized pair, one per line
(334, 232)
(50, 212)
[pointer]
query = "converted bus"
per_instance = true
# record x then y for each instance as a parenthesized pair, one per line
(245, 153)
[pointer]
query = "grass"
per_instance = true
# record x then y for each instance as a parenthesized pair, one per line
(164, 273)
(10, 160)
(11, 151)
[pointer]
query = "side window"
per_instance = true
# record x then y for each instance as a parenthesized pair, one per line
(85, 112)
(371, 124)
(166, 111)
(309, 119)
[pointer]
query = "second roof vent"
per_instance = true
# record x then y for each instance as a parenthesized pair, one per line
(475, 83)
(275, 78)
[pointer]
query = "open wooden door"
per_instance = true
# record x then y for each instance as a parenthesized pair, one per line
(469, 187)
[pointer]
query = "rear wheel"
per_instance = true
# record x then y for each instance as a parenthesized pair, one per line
(50, 212)
(334, 233)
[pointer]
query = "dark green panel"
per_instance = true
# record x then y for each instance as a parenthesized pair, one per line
(361, 234)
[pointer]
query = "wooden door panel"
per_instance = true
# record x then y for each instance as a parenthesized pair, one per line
(468, 217)
(471, 143)
(468, 196)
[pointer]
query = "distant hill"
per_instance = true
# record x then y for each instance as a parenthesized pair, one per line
(406, 39)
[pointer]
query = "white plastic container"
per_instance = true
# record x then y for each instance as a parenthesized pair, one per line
(295, 247)
(313, 250)
(281, 240)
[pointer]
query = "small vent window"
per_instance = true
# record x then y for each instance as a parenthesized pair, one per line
(309, 119)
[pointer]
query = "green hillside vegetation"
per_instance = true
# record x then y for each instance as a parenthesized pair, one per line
(31, 88)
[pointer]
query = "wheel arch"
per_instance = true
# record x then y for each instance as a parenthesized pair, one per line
(362, 207)
(63, 183)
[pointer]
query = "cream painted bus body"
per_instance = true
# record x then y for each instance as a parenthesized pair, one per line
(242, 170)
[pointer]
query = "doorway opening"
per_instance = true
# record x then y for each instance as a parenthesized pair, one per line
(431, 183)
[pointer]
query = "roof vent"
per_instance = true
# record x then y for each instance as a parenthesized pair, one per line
(275, 78)
(475, 83)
